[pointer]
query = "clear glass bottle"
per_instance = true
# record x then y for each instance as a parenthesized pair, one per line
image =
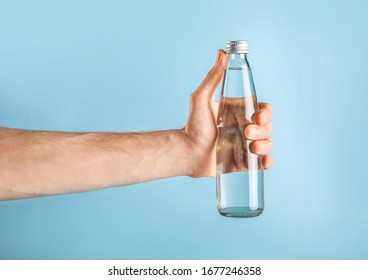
(239, 172)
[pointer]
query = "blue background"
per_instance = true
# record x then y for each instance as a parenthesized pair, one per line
(132, 65)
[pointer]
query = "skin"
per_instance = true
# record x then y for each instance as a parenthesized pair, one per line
(39, 163)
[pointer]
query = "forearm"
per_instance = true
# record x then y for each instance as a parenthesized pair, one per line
(34, 163)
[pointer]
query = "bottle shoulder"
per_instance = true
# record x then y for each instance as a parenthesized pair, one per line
(238, 61)
(238, 65)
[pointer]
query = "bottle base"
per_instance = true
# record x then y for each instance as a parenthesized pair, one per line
(240, 212)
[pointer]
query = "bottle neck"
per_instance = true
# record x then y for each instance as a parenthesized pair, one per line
(238, 60)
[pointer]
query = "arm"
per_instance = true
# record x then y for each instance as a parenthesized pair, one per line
(36, 163)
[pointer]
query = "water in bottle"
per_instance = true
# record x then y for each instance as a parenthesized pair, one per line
(239, 172)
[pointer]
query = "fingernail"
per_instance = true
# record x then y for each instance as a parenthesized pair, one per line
(253, 132)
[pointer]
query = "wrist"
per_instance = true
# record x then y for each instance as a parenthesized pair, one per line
(187, 152)
(200, 159)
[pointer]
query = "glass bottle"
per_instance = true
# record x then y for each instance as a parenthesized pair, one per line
(239, 172)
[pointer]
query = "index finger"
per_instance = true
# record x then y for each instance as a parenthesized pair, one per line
(263, 115)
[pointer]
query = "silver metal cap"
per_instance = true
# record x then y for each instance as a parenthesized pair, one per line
(240, 46)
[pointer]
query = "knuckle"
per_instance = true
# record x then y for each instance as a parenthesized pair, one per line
(195, 98)
(268, 114)
(270, 140)
(268, 106)
(269, 128)
(212, 74)
(192, 100)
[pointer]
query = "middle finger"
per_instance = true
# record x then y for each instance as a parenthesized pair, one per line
(258, 132)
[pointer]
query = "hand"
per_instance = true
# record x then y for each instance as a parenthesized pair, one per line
(201, 129)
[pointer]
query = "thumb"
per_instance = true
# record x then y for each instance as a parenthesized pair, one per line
(208, 86)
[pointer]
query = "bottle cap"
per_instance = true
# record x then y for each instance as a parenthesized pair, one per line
(240, 46)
